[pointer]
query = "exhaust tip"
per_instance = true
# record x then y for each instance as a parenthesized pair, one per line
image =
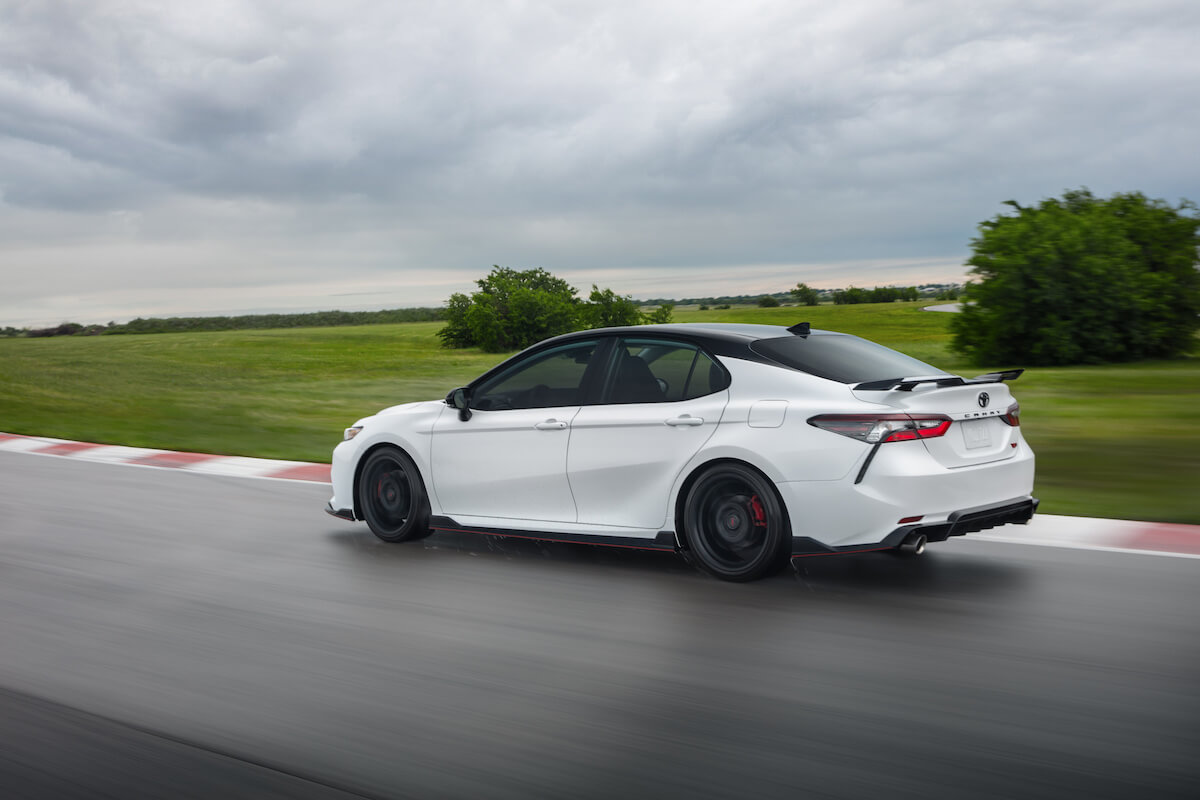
(913, 544)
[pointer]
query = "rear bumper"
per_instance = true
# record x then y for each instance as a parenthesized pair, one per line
(958, 523)
(975, 519)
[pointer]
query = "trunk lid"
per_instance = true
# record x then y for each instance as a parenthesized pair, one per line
(978, 433)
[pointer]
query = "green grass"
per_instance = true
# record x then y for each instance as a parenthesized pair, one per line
(1119, 441)
(274, 393)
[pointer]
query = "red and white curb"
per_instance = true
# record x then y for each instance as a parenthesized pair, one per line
(1094, 533)
(1086, 533)
(237, 466)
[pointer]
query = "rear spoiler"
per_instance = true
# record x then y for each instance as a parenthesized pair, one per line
(942, 381)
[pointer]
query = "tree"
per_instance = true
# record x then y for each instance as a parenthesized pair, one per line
(1083, 280)
(805, 295)
(607, 309)
(512, 310)
(660, 315)
(851, 296)
(768, 301)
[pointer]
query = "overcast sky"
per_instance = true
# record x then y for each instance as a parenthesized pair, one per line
(172, 158)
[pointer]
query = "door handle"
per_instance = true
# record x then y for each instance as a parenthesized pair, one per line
(685, 421)
(551, 425)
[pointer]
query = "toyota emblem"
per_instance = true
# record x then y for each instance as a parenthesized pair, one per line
(983, 400)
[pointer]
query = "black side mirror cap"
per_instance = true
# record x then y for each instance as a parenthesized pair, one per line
(458, 399)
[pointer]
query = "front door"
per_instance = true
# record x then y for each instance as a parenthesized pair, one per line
(509, 460)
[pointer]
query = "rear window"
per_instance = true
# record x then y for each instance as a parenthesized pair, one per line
(843, 358)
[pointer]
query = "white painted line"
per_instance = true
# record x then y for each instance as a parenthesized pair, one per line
(1073, 545)
(27, 445)
(114, 453)
(241, 466)
(1045, 528)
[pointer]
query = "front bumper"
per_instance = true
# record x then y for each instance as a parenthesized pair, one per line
(340, 513)
(958, 523)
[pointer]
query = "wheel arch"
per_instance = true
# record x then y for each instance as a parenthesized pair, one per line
(694, 475)
(365, 456)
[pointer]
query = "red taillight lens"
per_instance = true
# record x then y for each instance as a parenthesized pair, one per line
(1013, 415)
(879, 428)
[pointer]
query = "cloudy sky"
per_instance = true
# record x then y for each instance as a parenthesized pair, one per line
(170, 158)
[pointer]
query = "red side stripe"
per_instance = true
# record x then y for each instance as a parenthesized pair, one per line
(557, 541)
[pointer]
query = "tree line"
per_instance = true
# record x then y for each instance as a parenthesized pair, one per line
(804, 295)
(316, 319)
(1072, 280)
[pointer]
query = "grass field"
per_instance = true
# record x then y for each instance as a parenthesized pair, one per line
(1112, 441)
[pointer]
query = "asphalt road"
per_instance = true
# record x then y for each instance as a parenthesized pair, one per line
(184, 635)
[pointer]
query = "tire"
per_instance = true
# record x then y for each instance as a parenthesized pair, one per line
(392, 498)
(735, 524)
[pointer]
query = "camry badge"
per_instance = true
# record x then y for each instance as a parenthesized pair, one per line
(983, 400)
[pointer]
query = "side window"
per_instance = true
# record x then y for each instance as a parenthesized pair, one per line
(659, 371)
(550, 378)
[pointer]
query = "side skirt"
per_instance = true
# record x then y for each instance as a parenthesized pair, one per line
(664, 542)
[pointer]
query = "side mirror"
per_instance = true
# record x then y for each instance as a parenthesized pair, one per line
(458, 399)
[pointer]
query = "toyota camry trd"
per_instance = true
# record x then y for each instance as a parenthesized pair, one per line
(738, 446)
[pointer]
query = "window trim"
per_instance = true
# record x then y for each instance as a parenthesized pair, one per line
(586, 383)
(619, 341)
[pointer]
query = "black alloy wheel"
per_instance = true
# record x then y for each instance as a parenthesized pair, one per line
(735, 524)
(392, 497)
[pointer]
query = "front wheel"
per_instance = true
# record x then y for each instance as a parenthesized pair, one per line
(735, 524)
(392, 497)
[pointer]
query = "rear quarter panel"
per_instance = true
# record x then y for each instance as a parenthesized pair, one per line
(791, 450)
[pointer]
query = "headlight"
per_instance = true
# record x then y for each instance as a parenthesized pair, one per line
(350, 433)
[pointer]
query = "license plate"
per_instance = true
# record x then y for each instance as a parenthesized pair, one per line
(976, 433)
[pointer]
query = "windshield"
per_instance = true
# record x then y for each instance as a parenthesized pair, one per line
(842, 358)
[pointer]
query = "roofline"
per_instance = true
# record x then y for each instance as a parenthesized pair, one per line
(741, 333)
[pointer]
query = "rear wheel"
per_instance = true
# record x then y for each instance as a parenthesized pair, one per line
(392, 497)
(735, 524)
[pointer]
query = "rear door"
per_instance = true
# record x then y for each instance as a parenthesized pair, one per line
(661, 403)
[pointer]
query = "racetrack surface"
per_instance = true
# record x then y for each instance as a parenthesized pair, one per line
(171, 633)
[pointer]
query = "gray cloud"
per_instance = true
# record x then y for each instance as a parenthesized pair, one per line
(235, 144)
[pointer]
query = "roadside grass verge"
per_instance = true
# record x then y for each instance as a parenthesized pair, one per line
(1112, 441)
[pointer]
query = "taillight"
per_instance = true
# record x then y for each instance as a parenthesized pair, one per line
(1013, 415)
(880, 428)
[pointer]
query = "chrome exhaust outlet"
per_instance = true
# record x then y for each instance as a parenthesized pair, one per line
(913, 544)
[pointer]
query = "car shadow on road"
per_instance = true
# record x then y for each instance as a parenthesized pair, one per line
(933, 574)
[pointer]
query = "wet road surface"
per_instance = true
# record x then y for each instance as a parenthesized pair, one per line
(185, 635)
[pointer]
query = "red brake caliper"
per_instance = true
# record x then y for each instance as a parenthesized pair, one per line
(760, 516)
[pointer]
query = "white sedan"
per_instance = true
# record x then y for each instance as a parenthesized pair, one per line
(738, 446)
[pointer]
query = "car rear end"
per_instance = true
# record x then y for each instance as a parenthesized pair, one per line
(936, 455)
